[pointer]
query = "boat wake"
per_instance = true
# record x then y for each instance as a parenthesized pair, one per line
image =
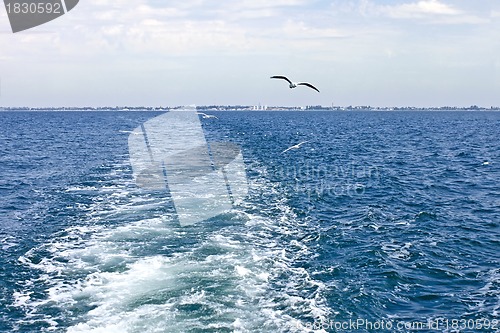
(129, 267)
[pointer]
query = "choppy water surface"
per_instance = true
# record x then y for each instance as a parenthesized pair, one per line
(381, 216)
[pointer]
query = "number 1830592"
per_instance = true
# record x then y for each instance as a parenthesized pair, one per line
(34, 8)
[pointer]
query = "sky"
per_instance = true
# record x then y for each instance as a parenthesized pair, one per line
(181, 52)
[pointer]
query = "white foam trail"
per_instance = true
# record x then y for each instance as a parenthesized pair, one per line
(149, 275)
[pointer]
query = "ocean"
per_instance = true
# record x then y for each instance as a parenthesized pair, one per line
(378, 222)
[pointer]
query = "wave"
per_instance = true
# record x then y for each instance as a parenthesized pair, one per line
(129, 267)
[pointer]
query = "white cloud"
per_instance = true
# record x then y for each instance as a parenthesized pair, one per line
(495, 14)
(270, 4)
(188, 37)
(300, 30)
(431, 11)
(423, 8)
(190, 27)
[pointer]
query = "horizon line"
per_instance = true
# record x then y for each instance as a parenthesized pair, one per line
(241, 107)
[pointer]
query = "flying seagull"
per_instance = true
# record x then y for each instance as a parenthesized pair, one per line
(294, 84)
(207, 116)
(297, 146)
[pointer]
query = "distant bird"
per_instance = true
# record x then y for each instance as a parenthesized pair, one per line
(206, 116)
(294, 84)
(130, 132)
(297, 146)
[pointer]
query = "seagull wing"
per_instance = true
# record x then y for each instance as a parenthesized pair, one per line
(297, 146)
(307, 85)
(206, 116)
(281, 77)
(289, 148)
(301, 143)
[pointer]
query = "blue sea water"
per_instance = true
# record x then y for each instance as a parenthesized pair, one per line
(380, 218)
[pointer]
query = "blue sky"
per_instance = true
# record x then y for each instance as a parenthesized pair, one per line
(357, 52)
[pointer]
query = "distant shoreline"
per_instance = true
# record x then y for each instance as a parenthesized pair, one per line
(246, 108)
